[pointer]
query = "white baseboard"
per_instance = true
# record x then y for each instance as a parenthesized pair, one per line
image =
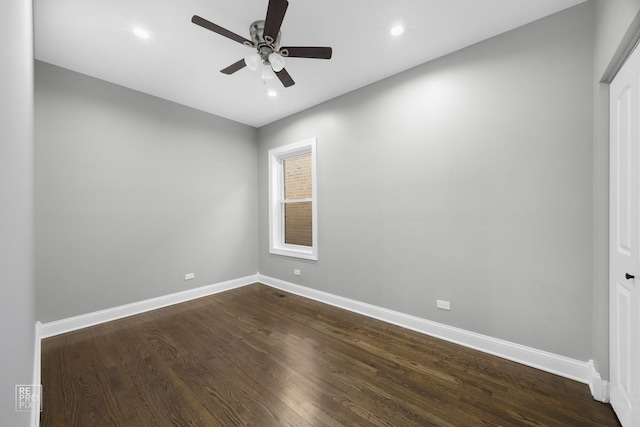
(599, 387)
(58, 327)
(35, 412)
(583, 372)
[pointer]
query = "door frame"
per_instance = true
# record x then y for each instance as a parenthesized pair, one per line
(600, 363)
(628, 44)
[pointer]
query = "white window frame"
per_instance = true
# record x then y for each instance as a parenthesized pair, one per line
(276, 200)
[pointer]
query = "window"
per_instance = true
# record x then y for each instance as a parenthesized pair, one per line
(293, 224)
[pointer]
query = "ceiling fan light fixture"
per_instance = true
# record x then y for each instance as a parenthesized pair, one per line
(252, 61)
(267, 72)
(277, 61)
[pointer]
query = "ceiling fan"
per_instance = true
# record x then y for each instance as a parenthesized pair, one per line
(265, 39)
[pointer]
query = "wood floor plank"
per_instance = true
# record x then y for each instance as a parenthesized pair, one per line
(259, 356)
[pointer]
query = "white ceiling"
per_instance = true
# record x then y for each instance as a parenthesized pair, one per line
(180, 61)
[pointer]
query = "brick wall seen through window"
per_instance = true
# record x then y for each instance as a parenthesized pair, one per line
(298, 214)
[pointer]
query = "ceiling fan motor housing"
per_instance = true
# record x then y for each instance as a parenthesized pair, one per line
(265, 47)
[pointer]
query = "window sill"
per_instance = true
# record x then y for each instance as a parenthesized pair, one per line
(293, 251)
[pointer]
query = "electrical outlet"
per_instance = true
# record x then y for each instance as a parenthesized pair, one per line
(445, 305)
(296, 272)
(189, 276)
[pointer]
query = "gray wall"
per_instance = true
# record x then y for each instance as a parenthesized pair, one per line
(17, 312)
(132, 192)
(612, 20)
(468, 179)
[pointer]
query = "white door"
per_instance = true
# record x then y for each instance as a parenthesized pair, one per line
(624, 250)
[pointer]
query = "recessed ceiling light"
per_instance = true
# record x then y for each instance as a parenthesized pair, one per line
(272, 93)
(143, 34)
(397, 30)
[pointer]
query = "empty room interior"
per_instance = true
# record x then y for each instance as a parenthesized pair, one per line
(319, 213)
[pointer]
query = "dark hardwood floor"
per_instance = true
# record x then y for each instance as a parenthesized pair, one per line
(259, 356)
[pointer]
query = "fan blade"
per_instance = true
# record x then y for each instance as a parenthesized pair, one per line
(234, 67)
(306, 52)
(285, 78)
(218, 29)
(273, 21)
